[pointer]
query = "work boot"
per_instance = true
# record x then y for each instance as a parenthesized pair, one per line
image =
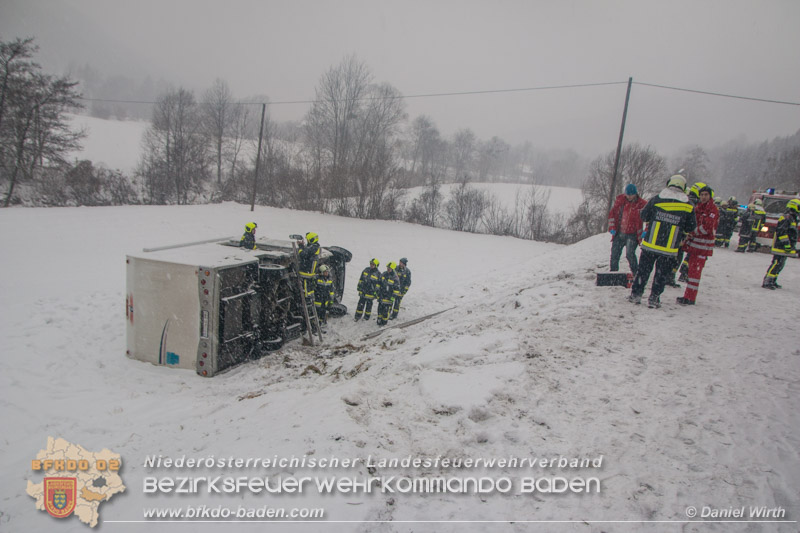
(635, 299)
(684, 301)
(654, 302)
(356, 318)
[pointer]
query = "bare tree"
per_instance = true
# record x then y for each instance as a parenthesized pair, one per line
(217, 116)
(490, 156)
(34, 132)
(463, 149)
(640, 165)
(464, 208)
(174, 159)
(538, 220)
(350, 135)
(694, 164)
(496, 219)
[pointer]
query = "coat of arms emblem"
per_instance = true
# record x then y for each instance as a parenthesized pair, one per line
(60, 495)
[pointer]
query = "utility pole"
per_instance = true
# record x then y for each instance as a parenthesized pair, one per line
(619, 151)
(258, 156)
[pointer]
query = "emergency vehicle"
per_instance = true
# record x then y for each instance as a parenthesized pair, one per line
(774, 202)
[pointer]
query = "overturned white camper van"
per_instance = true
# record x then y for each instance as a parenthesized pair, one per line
(210, 306)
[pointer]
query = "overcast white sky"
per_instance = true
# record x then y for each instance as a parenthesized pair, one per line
(281, 48)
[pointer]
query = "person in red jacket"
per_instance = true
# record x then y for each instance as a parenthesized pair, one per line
(625, 227)
(700, 244)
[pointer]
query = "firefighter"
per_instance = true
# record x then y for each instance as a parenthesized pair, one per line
(308, 256)
(728, 216)
(699, 245)
(388, 291)
(625, 227)
(682, 260)
(783, 244)
(752, 222)
(679, 261)
(404, 275)
(323, 293)
(669, 217)
(368, 285)
(248, 240)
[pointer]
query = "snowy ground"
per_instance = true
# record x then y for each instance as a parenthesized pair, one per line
(687, 406)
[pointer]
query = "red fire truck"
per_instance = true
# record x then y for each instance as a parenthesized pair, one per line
(774, 205)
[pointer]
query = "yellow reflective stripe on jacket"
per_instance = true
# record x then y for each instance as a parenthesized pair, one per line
(675, 206)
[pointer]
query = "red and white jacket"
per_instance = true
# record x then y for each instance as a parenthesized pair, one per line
(624, 216)
(701, 240)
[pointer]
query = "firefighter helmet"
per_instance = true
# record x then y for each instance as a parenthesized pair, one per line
(705, 188)
(793, 205)
(758, 202)
(250, 227)
(732, 200)
(677, 181)
(374, 262)
(404, 260)
(695, 189)
(391, 265)
(323, 269)
(311, 237)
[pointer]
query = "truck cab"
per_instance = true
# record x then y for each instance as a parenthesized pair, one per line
(774, 202)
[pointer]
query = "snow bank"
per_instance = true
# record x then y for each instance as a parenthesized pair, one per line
(685, 406)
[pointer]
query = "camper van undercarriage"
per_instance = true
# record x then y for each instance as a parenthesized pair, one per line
(211, 306)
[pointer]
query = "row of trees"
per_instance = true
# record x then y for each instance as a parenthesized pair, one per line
(355, 154)
(34, 134)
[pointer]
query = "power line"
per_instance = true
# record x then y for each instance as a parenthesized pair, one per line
(488, 91)
(399, 97)
(717, 94)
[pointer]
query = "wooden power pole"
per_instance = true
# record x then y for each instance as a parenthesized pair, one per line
(619, 151)
(258, 156)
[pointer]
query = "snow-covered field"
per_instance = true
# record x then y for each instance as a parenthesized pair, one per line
(688, 407)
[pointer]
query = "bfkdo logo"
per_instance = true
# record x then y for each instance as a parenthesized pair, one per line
(60, 495)
(76, 480)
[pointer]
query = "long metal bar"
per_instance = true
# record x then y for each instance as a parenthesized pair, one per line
(182, 245)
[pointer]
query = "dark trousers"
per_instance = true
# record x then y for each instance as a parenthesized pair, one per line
(775, 268)
(663, 265)
(620, 241)
(396, 309)
(384, 307)
(364, 307)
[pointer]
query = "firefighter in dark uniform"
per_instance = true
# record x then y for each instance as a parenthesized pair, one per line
(367, 287)
(308, 256)
(752, 221)
(404, 275)
(388, 291)
(728, 216)
(248, 240)
(783, 244)
(323, 293)
(669, 217)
